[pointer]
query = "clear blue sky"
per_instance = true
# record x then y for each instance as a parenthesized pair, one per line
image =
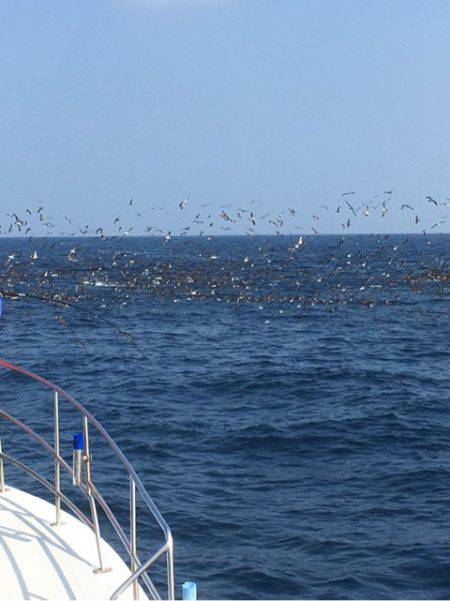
(287, 101)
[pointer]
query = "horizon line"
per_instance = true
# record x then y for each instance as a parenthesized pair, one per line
(211, 236)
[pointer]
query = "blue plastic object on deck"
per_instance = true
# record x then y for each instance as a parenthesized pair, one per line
(189, 589)
(78, 441)
(1, 304)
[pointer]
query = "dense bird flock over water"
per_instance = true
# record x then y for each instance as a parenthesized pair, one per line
(282, 263)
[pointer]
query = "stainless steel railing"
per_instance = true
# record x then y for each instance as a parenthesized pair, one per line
(136, 488)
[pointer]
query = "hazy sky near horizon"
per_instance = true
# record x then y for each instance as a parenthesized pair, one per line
(289, 102)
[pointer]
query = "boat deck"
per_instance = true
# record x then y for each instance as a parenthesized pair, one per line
(41, 561)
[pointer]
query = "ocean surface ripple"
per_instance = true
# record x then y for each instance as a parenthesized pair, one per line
(295, 451)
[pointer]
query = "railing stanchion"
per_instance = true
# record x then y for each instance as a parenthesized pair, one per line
(170, 571)
(133, 535)
(57, 464)
(2, 473)
(87, 460)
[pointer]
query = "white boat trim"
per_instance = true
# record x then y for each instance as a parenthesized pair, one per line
(41, 560)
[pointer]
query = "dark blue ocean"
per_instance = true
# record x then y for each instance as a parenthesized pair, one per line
(287, 407)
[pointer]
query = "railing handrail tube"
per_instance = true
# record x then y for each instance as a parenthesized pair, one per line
(98, 496)
(140, 568)
(134, 576)
(129, 468)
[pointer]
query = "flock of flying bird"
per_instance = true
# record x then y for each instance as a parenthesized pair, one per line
(241, 220)
(64, 266)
